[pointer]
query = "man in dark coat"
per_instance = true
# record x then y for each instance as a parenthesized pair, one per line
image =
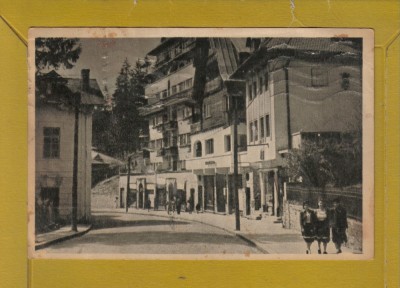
(339, 225)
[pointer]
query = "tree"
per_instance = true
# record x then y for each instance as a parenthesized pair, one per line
(56, 52)
(322, 161)
(116, 131)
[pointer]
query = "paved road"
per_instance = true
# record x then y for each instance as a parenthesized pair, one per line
(145, 234)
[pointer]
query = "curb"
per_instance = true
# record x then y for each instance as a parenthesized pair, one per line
(237, 234)
(62, 239)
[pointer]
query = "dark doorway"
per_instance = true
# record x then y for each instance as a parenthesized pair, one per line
(141, 196)
(161, 199)
(209, 192)
(247, 201)
(121, 197)
(200, 196)
(51, 200)
(220, 193)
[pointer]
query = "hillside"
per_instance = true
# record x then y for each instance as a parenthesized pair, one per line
(104, 193)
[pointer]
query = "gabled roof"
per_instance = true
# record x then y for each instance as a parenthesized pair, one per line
(98, 158)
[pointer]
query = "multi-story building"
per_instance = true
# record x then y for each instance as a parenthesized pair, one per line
(187, 101)
(295, 88)
(54, 144)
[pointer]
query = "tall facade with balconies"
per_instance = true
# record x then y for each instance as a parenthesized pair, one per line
(188, 100)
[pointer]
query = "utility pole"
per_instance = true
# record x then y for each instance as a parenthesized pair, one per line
(127, 183)
(235, 164)
(74, 218)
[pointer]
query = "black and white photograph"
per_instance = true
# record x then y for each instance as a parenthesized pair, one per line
(201, 143)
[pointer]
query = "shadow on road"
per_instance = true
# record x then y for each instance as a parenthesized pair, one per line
(265, 238)
(172, 238)
(112, 221)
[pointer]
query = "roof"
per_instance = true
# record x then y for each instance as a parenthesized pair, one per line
(67, 88)
(227, 55)
(273, 47)
(98, 158)
(93, 96)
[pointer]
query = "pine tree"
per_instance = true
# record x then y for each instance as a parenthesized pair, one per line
(56, 52)
(128, 97)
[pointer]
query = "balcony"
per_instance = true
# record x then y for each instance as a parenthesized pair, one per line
(170, 125)
(170, 151)
(213, 85)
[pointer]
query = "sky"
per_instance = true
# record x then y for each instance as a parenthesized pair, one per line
(104, 57)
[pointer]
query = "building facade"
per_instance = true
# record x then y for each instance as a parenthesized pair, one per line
(295, 88)
(281, 89)
(54, 145)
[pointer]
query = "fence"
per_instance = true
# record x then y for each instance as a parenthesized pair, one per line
(351, 197)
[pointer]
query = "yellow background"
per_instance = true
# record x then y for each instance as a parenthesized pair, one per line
(17, 271)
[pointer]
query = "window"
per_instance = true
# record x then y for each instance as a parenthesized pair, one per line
(174, 89)
(181, 86)
(267, 126)
(207, 110)
(261, 84)
(184, 139)
(255, 127)
(254, 89)
(266, 82)
(227, 143)
(242, 142)
(186, 112)
(251, 135)
(210, 146)
(163, 94)
(183, 164)
(197, 149)
(262, 134)
(250, 91)
(51, 142)
(188, 83)
(319, 77)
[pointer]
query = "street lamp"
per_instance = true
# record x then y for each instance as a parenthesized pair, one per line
(235, 91)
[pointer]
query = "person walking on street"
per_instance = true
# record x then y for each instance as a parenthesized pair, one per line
(307, 223)
(339, 225)
(322, 229)
(178, 206)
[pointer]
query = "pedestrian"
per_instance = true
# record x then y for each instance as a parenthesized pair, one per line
(322, 229)
(307, 223)
(148, 205)
(339, 225)
(178, 205)
(116, 202)
(198, 208)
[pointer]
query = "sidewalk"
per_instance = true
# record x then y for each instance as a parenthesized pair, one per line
(267, 236)
(64, 233)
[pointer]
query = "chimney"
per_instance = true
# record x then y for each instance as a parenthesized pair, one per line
(85, 73)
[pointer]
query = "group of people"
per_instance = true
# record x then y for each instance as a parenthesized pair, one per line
(316, 225)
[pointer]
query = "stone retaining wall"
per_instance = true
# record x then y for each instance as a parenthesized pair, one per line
(291, 219)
